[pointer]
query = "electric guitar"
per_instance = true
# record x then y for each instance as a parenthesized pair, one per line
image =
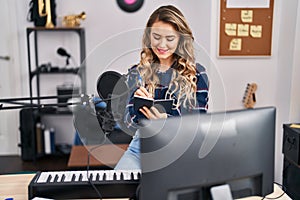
(249, 98)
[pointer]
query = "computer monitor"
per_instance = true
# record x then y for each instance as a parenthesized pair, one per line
(184, 157)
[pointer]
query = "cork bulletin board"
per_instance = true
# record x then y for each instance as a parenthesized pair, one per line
(245, 30)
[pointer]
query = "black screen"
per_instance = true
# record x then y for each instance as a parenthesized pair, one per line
(183, 157)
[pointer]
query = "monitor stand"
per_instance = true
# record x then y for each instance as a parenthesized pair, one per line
(221, 192)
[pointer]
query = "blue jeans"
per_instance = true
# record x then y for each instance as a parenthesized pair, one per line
(131, 157)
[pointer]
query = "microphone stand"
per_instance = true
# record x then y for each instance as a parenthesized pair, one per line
(88, 118)
(15, 101)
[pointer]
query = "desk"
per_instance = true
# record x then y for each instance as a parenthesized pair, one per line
(16, 187)
(104, 155)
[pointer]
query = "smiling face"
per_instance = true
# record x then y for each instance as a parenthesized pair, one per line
(164, 41)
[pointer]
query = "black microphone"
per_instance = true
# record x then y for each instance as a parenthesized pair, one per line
(61, 51)
(112, 85)
(112, 88)
(92, 121)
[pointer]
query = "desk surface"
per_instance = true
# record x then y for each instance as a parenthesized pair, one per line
(16, 187)
(104, 155)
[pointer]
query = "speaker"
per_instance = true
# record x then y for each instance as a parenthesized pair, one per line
(130, 5)
(28, 119)
(291, 162)
(291, 143)
(291, 179)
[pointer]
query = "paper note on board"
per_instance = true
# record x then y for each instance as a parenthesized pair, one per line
(248, 4)
(243, 30)
(256, 31)
(230, 29)
(247, 16)
(235, 44)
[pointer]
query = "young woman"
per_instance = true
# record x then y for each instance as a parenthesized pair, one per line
(167, 70)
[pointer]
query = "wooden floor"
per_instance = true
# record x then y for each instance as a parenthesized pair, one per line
(14, 164)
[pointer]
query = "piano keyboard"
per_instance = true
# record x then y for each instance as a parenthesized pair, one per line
(77, 184)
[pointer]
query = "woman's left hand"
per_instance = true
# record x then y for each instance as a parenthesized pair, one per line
(153, 113)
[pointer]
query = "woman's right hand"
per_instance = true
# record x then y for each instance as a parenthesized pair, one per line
(152, 113)
(143, 92)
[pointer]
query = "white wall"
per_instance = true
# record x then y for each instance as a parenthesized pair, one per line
(285, 100)
(113, 42)
(295, 94)
(276, 75)
(106, 27)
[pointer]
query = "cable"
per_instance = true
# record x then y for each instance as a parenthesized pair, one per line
(88, 168)
(137, 193)
(284, 191)
(74, 61)
(87, 171)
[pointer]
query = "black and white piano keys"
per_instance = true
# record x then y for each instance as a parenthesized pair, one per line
(77, 184)
(93, 175)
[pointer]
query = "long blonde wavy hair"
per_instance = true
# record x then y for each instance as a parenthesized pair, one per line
(183, 82)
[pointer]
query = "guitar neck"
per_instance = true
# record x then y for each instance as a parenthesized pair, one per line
(249, 98)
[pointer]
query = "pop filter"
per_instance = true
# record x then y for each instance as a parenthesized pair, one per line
(111, 83)
(113, 89)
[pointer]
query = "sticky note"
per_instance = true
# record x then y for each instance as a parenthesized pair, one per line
(247, 16)
(235, 44)
(230, 29)
(256, 31)
(243, 30)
